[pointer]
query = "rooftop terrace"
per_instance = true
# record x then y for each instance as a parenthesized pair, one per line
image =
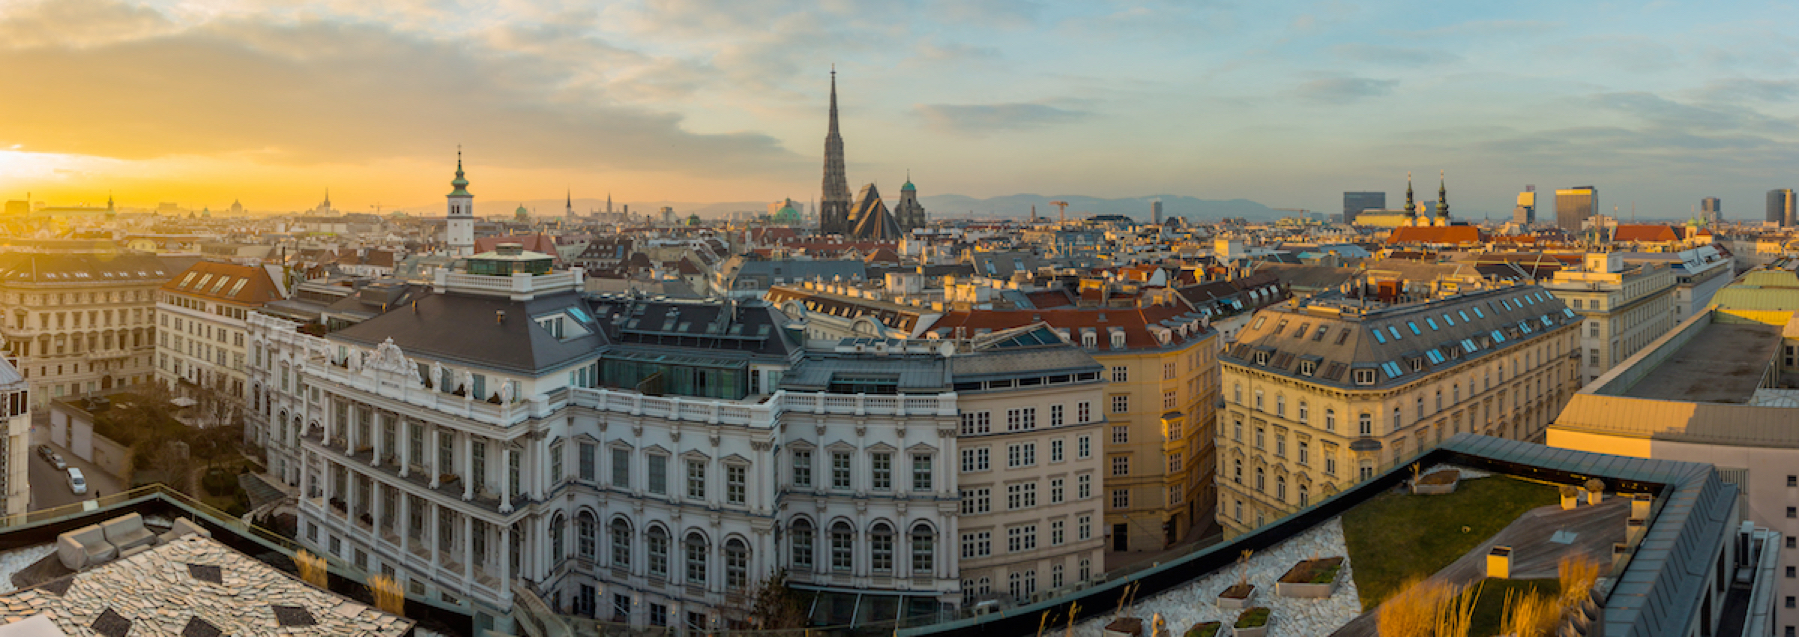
(1697, 373)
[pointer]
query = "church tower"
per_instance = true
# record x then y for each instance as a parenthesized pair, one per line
(460, 229)
(834, 210)
(909, 213)
(1411, 208)
(1442, 200)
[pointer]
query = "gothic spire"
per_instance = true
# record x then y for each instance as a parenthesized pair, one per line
(1442, 196)
(833, 129)
(1410, 206)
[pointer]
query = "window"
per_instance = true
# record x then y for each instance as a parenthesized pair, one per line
(1121, 465)
(735, 480)
(587, 459)
(1055, 415)
(658, 552)
(1055, 450)
(1121, 374)
(1330, 420)
(802, 468)
(1021, 419)
(658, 470)
(1121, 434)
(921, 472)
(1121, 403)
(976, 501)
(1055, 490)
(1170, 399)
(696, 559)
(1365, 424)
(1259, 403)
(1175, 461)
(977, 544)
(923, 550)
(737, 565)
(881, 478)
(840, 470)
(842, 546)
(587, 536)
(979, 422)
(1280, 406)
(1304, 452)
(621, 468)
(1083, 412)
(880, 541)
(1021, 538)
(1083, 447)
(1021, 495)
(1121, 498)
(1021, 455)
(974, 460)
(620, 535)
(696, 479)
(1083, 486)
(1083, 530)
(1305, 414)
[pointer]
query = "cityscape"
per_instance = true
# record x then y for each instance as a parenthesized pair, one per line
(661, 383)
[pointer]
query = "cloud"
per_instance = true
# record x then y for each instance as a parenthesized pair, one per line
(78, 23)
(1338, 90)
(1485, 28)
(980, 119)
(1739, 88)
(1663, 112)
(314, 92)
(1395, 55)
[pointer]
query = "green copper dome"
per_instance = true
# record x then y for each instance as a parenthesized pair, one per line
(460, 184)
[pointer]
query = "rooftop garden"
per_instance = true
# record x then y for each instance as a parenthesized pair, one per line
(1396, 536)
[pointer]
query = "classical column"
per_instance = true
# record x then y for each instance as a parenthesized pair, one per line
(351, 432)
(468, 467)
(434, 456)
(434, 523)
(468, 548)
(403, 438)
(405, 522)
(305, 473)
(505, 563)
(506, 455)
(375, 454)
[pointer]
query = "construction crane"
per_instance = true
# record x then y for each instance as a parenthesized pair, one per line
(377, 207)
(1063, 205)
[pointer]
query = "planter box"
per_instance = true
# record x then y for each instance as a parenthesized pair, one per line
(1218, 629)
(1499, 562)
(1570, 501)
(1124, 627)
(1299, 581)
(1237, 603)
(1440, 482)
(1253, 631)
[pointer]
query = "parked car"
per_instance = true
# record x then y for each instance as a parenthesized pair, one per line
(77, 482)
(52, 457)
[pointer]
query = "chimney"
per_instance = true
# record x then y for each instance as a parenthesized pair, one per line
(499, 316)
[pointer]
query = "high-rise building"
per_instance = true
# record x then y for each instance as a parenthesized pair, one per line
(1711, 210)
(1355, 202)
(834, 206)
(1574, 205)
(1526, 211)
(1155, 211)
(1780, 206)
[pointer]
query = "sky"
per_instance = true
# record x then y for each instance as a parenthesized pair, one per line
(202, 102)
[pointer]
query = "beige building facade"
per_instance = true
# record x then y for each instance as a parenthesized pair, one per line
(1622, 309)
(80, 322)
(1325, 393)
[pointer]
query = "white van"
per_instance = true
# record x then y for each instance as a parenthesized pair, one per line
(77, 482)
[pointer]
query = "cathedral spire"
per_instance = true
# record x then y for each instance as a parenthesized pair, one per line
(1442, 196)
(833, 213)
(833, 129)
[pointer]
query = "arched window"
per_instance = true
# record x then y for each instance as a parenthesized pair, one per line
(843, 543)
(1396, 419)
(1365, 424)
(1330, 420)
(621, 543)
(1304, 495)
(658, 550)
(696, 559)
(1280, 405)
(802, 545)
(737, 566)
(1239, 471)
(1280, 488)
(924, 544)
(1305, 413)
(1261, 480)
(587, 535)
(1455, 393)
(1258, 400)
(881, 548)
(1237, 393)
(557, 526)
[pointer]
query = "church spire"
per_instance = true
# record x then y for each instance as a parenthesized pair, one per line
(1442, 197)
(833, 213)
(833, 129)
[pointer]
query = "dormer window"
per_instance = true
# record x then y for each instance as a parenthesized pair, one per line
(1364, 377)
(1308, 368)
(1261, 358)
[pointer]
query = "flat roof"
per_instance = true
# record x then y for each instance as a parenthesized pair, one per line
(1696, 372)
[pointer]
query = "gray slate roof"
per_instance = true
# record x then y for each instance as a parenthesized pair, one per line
(465, 329)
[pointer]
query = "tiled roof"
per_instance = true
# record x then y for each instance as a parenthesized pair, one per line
(229, 282)
(1134, 322)
(1452, 235)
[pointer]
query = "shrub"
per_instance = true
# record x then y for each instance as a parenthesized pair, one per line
(1254, 617)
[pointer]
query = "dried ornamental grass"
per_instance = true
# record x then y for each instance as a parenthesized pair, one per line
(1529, 615)
(312, 569)
(1578, 572)
(1427, 608)
(388, 595)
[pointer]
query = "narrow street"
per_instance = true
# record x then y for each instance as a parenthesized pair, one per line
(50, 487)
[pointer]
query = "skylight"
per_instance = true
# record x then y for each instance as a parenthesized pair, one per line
(1392, 369)
(1498, 337)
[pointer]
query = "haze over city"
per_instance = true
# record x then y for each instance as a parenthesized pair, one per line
(204, 102)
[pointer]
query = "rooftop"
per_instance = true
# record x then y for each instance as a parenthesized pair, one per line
(1696, 372)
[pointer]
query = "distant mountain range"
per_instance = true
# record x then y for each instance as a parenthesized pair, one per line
(940, 207)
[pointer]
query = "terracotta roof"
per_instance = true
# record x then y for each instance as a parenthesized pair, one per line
(1046, 299)
(538, 242)
(1453, 235)
(1651, 233)
(229, 282)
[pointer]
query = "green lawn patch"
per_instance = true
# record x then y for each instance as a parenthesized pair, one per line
(1397, 535)
(1490, 606)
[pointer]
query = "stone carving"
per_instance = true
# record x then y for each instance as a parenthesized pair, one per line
(468, 383)
(505, 393)
(389, 359)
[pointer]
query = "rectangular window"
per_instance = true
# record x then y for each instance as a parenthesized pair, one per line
(735, 483)
(977, 544)
(588, 459)
(1021, 419)
(621, 468)
(1121, 374)
(1083, 530)
(840, 470)
(1055, 533)
(921, 472)
(802, 468)
(1055, 490)
(1121, 434)
(976, 501)
(1121, 465)
(1055, 450)
(1021, 538)
(1083, 487)
(1021, 455)
(1121, 498)
(976, 423)
(1121, 403)
(1055, 415)
(1083, 447)
(882, 466)
(974, 460)
(1021, 496)
(658, 469)
(1083, 412)
(696, 479)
